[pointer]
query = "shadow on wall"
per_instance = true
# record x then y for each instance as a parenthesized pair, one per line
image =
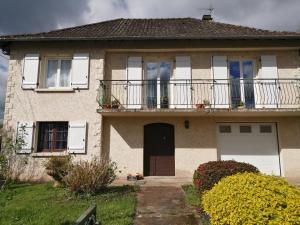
(129, 130)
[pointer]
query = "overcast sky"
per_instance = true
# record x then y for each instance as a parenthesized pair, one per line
(25, 16)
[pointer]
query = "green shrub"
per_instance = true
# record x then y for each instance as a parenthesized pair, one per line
(90, 176)
(250, 198)
(58, 166)
(208, 174)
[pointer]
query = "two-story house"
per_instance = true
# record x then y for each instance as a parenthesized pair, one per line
(157, 96)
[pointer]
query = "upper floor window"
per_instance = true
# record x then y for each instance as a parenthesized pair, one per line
(58, 73)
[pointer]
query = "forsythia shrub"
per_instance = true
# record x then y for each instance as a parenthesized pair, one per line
(208, 174)
(251, 198)
(90, 176)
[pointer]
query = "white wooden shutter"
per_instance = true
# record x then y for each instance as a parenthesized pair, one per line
(134, 77)
(220, 82)
(77, 137)
(25, 136)
(80, 71)
(30, 71)
(182, 84)
(267, 92)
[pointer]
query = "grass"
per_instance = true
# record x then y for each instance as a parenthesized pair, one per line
(42, 204)
(193, 198)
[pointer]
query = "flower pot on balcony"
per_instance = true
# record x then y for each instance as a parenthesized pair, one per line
(200, 106)
(106, 106)
(115, 104)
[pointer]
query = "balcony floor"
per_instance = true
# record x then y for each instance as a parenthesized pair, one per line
(202, 112)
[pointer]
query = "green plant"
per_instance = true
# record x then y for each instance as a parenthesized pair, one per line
(250, 198)
(206, 102)
(90, 176)
(210, 173)
(241, 104)
(11, 164)
(43, 204)
(58, 166)
(115, 104)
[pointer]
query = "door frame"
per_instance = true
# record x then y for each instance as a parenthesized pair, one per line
(158, 60)
(170, 126)
(242, 85)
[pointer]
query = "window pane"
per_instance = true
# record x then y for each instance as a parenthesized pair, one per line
(65, 73)
(265, 128)
(235, 87)
(225, 129)
(51, 73)
(53, 136)
(245, 129)
(248, 83)
(151, 76)
(165, 75)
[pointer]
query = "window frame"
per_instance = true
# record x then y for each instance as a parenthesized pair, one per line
(158, 61)
(57, 82)
(39, 142)
(241, 77)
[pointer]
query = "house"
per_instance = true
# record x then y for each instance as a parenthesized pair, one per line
(157, 96)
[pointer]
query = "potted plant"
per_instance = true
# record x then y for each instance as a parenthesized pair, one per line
(206, 103)
(241, 105)
(115, 104)
(200, 106)
(164, 102)
(106, 106)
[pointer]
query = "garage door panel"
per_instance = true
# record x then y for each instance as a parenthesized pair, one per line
(257, 148)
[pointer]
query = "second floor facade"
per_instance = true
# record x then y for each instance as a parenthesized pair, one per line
(92, 69)
(196, 80)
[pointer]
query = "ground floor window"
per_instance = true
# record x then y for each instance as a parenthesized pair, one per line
(52, 137)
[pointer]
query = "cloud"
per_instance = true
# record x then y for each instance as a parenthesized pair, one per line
(265, 14)
(34, 16)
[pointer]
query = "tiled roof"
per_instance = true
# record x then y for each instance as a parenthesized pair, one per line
(147, 29)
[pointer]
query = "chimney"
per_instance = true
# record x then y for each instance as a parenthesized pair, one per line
(207, 18)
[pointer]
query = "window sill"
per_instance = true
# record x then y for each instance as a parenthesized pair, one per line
(49, 154)
(54, 90)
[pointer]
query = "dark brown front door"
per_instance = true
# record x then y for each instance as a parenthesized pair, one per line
(159, 150)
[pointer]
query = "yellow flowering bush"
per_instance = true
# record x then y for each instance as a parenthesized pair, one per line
(252, 199)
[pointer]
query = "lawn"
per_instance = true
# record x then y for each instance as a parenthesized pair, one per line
(42, 204)
(193, 198)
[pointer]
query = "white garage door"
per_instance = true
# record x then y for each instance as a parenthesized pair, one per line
(254, 143)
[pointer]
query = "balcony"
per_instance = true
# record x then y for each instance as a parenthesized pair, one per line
(199, 95)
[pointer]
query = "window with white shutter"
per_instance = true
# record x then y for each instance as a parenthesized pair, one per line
(220, 82)
(182, 88)
(268, 90)
(77, 137)
(30, 71)
(52, 137)
(80, 71)
(25, 137)
(134, 79)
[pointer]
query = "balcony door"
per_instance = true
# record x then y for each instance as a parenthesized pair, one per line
(241, 83)
(157, 84)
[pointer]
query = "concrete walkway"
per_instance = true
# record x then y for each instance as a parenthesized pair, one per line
(163, 205)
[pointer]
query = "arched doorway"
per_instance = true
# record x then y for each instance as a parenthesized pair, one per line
(159, 150)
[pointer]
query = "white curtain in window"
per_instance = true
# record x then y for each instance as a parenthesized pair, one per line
(51, 73)
(65, 73)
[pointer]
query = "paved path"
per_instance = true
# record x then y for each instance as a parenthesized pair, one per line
(163, 205)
